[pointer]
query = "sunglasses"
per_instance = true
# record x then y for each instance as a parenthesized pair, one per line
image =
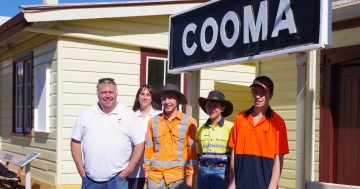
(106, 80)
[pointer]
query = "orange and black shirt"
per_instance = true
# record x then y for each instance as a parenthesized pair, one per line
(255, 147)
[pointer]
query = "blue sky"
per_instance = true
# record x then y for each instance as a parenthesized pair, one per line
(11, 7)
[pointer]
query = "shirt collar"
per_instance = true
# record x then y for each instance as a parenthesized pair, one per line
(268, 113)
(116, 110)
(152, 113)
(178, 115)
(220, 123)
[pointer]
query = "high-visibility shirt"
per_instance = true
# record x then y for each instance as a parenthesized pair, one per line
(212, 141)
(255, 147)
(170, 149)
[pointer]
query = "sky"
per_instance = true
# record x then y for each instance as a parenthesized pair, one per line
(10, 8)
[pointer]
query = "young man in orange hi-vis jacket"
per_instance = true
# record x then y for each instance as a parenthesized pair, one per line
(170, 149)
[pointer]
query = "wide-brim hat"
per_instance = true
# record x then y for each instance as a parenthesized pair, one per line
(220, 97)
(172, 89)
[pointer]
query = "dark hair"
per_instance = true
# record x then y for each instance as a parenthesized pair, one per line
(136, 105)
(264, 80)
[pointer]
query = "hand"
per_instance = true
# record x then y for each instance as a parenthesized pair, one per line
(231, 186)
(82, 173)
(145, 185)
(126, 172)
(272, 187)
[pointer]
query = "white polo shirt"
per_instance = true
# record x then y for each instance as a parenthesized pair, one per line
(106, 140)
(141, 127)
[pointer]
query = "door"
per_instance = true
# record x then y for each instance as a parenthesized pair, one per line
(340, 116)
(347, 124)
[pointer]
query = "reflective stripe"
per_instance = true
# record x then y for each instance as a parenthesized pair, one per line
(156, 133)
(179, 163)
(147, 161)
(193, 162)
(191, 143)
(182, 136)
(149, 143)
(205, 146)
(168, 163)
(213, 156)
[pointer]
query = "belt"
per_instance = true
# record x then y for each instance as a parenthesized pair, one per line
(211, 164)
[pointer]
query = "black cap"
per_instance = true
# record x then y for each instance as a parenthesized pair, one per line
(264, 82)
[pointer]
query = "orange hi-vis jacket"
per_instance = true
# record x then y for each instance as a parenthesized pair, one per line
(170, 149)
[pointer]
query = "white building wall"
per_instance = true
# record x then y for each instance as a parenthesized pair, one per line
(44, 167)
(82, 64)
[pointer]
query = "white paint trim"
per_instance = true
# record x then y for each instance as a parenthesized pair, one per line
(325, 32)
(310, 116)
(300, 119)
(194, 7)
(59, 113)
(104, 12)
(42, 98)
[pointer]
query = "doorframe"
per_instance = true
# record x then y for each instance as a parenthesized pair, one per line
(330, 59)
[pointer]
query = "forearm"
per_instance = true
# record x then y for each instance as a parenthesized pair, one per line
(137, 154)
(191, 172)
(77, 156)
(276, 172)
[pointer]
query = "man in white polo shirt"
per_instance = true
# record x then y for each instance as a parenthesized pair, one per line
(101, 141)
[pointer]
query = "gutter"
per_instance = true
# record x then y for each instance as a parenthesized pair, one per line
(104, 5)
(13, 26)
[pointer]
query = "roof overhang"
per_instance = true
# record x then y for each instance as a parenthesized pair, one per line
(78, 11)
(45, 15)
(345, 10)
(37, 14)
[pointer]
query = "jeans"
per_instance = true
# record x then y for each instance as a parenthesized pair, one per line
(212, 177)
(115, 183)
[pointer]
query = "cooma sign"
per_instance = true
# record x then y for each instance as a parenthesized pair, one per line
(228, 31)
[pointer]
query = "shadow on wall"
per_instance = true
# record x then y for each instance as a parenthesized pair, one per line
(24, 141)
(239, 95)
(41, 137)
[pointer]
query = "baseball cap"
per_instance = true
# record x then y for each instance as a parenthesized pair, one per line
(264, 82)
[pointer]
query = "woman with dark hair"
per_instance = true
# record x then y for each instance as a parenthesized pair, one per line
(144, 108)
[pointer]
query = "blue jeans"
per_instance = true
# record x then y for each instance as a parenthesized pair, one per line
(115, 183)
(212, 177)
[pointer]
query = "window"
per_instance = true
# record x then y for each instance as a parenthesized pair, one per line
(157, 75)
(22, 90)
(154, 70)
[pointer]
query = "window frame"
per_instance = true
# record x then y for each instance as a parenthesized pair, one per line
(26, 58)
(163, 55)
